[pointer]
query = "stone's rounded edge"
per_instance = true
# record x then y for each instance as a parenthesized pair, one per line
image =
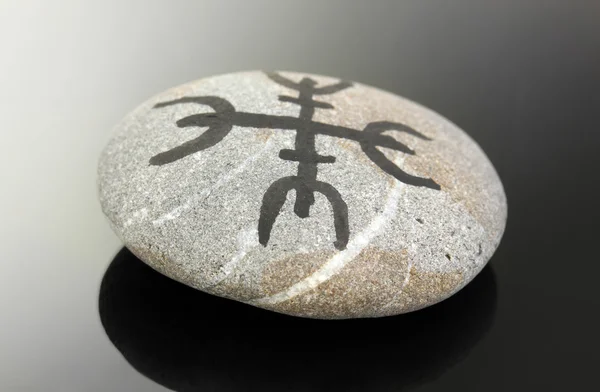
(503, 201)
(422, 289)
(159, 263)
(297, 309)
(153, 261)
(451, 285)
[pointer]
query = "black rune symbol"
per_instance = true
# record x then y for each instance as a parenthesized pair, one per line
(305, 183)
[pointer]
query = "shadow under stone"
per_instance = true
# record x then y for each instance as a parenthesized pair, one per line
(188, 340)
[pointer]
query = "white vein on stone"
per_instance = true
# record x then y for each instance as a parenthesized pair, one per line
(224, 179)
(246, 240)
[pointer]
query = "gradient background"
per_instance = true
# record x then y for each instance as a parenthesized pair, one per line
(521, 77)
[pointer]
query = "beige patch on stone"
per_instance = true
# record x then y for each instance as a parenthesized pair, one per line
(369, 282)
(281, 274)
(263, 134)
(463, 184)
(241, 287)
(424, 289)
(276, 276)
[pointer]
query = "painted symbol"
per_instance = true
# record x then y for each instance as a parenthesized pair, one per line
(305, 182)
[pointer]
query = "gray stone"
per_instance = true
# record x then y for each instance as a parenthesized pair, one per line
(327, 200)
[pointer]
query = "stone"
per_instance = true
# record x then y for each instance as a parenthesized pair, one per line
(302, 194)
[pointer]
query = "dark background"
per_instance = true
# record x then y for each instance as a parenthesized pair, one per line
(521, 77)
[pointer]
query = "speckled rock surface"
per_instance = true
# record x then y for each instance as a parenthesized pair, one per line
(302, 194)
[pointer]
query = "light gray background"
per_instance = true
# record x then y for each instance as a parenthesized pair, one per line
(69, 70)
